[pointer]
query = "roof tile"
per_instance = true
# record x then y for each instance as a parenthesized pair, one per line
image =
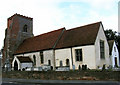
(79, 36)
(24, 59)
(40, 42)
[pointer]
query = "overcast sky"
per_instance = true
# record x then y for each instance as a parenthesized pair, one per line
(49, 15)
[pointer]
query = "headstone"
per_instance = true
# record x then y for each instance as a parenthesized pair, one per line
(83, 67)
(103, 68)
(79, 67)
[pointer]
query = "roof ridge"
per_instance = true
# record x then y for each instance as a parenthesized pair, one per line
(47, 33)
(84, 25)
(52, 31)
(79, 37)
(56, 39)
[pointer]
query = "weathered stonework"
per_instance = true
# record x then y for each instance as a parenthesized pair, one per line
(15, 35)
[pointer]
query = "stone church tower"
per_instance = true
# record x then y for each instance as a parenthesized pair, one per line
(19, 28)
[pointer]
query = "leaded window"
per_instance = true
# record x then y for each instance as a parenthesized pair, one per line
(42, 57)
(34, 58)
(78, 53)
(102, 51)
(25, 28)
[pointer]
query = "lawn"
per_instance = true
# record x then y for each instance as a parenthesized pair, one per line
(69, 75)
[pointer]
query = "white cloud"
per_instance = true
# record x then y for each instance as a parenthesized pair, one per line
(48, 16)
(106, 4)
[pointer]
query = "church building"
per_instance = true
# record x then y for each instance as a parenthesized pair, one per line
(84, 45)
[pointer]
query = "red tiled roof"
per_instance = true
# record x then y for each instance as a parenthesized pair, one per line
(79, 36)
(41, 42)
(24, 59)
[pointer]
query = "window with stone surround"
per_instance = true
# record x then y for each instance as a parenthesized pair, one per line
(25, 28)
(42, 57)
(49, 62)
(61, 63)
(78, 55)
(102, 50)
(67, 62)
(34, 58)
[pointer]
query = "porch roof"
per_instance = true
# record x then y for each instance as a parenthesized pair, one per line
(24, 59)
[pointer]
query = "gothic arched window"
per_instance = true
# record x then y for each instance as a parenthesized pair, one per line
(67, 62)
(49, 62)
(25, 28)
(61, 63)
(34, 59)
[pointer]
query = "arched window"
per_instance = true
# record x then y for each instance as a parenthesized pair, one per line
(42, 57)
(49, 62)
(25, 28)
(102, 49)
(61, 64)
(67, 62)
(34, 58)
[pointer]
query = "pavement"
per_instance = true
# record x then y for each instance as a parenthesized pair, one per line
(9, 81)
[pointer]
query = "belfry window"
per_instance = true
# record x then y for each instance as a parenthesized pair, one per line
(25, 28)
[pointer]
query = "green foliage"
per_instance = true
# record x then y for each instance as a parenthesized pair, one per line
(118, 42)
(110, 34)
(113, 35)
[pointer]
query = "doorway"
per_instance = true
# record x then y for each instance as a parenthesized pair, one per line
(15, 65)
(67, 62)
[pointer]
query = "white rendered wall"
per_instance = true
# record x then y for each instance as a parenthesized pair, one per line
(37, 55)
(88, 54)
(62, 55)
(24, 65)
(18, 62)
(99, 61)
(115, 54)
(48, 55)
